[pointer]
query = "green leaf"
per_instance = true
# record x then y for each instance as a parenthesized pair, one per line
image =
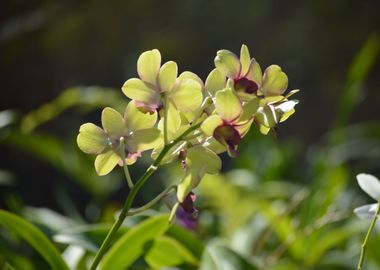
(91, 139)
(218, 257)
(166, 251)
(167, 76)
(136, 119)
(138, 90)
(105, 162)
(34, 237)
(187, 95)
(133, 244)
(227, 105)
(227, 63)
(148, 66)
(215, 81)
(187, 239)
(275, 81)
(113, 123)
(245, 59)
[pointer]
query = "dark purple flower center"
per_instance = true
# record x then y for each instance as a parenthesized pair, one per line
(227, 135)
(246, 86)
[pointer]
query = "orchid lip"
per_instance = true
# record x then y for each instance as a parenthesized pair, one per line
(245, 85)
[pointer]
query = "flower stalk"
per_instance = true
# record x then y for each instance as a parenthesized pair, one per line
(364, 244)
(132, 195)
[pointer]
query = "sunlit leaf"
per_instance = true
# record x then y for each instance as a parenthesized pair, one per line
(34, 237)
(127, 249)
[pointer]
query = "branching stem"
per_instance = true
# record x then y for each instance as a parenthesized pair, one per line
(125, 166)
(132, 195)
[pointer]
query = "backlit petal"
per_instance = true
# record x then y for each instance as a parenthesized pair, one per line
(91, 139)
(148, 66)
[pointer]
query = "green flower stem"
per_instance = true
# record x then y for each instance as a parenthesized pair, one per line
(135, 211)
(364, 245)
(125, 166)
(166, 140)
(132, 195)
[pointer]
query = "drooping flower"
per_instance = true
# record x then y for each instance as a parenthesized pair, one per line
(187, 214)
(136, 130)
(199, 161)
(155, 81)
(370, 185)
(231, 121)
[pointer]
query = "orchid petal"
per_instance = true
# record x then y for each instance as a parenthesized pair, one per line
(210, 124)
(167, 76)
(369, 184)
(245, 59)
(215, 81)
(275, 81)
(113, 123)
(105, 162)
(254, 72)
(144, 139)
(187, 95)
(197, 168)
(148, 66)
(227, 63)
(367, 211)
(227, 105)
(267, 116)
(136, 119)
(138, 90)
(91, 139)
(188, 75)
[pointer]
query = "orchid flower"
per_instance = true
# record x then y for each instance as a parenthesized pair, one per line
(136, 130)
(156, 81)
(231, 120)
(370, 185)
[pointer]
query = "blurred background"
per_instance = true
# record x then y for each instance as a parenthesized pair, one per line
(63, 61)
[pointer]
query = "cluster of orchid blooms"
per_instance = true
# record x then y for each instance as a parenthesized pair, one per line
(164, 105)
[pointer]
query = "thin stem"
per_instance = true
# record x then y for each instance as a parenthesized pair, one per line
(132, 195)
(166, 109)
(148, 205)
(364, 245)
(125, 166)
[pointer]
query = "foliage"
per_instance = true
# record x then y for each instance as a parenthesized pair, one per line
(261, 216)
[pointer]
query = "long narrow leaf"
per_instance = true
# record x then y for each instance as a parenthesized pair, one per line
(34, 237)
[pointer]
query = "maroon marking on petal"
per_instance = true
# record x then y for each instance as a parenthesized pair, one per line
(227, 133)
(245, 85)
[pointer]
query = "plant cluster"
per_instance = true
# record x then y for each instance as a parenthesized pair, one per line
(181, 119)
